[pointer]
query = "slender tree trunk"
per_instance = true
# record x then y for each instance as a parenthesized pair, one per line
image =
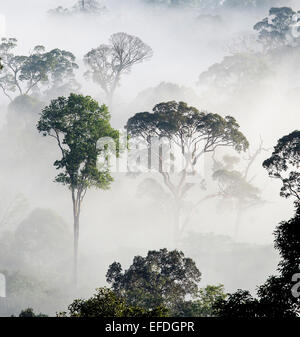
(76, 241)
(76, 214)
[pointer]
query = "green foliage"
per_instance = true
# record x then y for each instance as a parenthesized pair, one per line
(275, 297)
(203, 306)
(162, 278)
(28, 74)
(77, 123)
(184, 124)
(106, 303)
(287, 241)
(238, 305)
(284, 165)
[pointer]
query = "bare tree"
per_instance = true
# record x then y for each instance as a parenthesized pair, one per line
(109, 62)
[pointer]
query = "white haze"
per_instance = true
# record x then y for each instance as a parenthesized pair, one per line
(117, 224)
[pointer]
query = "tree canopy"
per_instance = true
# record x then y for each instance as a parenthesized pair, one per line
(108, 62)
(40, 70)
(106, 303)
(284, 164)
(162, 278)
(280, 28)
(189, 134)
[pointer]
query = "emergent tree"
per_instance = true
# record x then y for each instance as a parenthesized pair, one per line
(190, 133)
(77, 123)
(109, 62)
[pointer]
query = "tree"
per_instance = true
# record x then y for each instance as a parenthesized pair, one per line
(203, 306)
(236, 73)
(109, 62)
(27, 74)
(277, 297)
(192, 134)
(238, 305)
(236, 188)
(162, 278)
(106, 303)
(284, 165)
(77, 123)
(41, 240)
(279, 29)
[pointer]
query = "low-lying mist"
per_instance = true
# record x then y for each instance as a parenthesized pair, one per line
(209, 58)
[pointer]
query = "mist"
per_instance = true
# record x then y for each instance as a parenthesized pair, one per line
(36, 224)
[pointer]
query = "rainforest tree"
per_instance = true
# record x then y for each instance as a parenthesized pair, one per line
(162, 278)
(279, 296)
(77, 123)
(280, 28)
(107, 303)
(109, 62)
(40, 70)
(187, 132)
(284, 164)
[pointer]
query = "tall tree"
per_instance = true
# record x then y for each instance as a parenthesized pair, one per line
(77, 123)
(192, 134)
(279, 296)
(109, 62)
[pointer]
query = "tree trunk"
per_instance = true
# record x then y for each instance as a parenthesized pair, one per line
(76, 241)
(76, 213)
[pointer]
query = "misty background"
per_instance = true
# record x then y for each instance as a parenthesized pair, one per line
(36, 214)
